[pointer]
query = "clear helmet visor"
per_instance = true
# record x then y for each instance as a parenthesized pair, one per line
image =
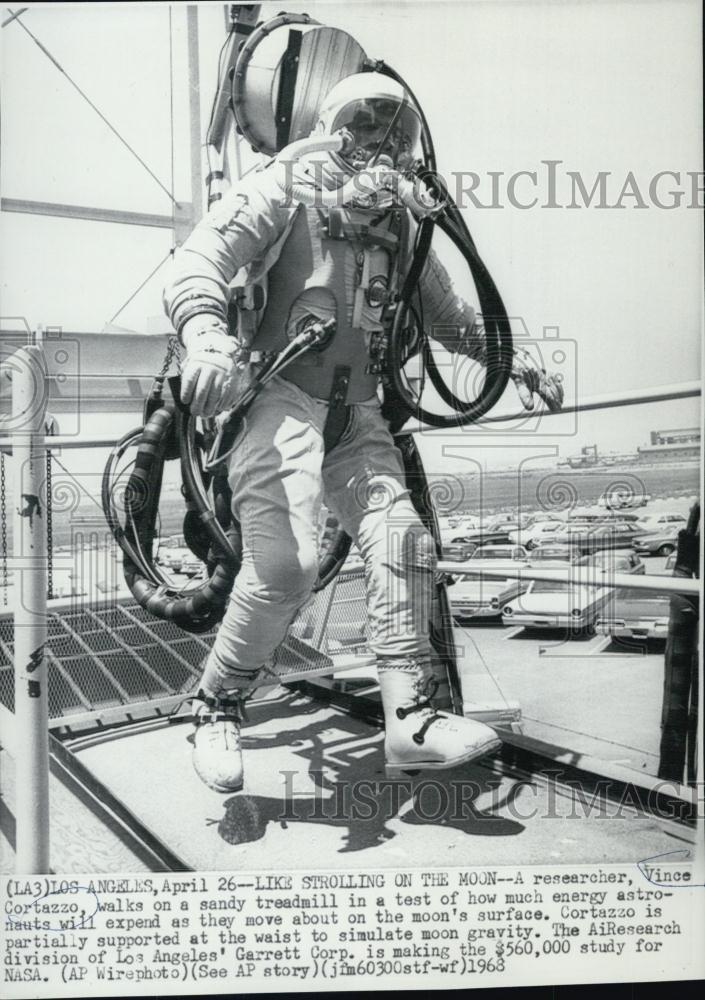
(380, 128)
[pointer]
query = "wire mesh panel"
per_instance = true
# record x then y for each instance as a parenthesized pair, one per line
(80, 623)
(7, 687)
(63, 699)
(192, 650)
(65, 645)
(6, 633)
(5, 656)
(346, 628)
(166, 631)
(96, 687)
(174, 674)
(105, 656)
(100, 642)
(133, 635)
(133, 678)
(112, 618)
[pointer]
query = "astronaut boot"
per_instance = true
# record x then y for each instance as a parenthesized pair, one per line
(418, 736)
(217, 748)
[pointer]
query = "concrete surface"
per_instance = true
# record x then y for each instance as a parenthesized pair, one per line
(304, 765)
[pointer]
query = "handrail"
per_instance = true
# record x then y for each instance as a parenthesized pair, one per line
(602, 401)
(67, 441)
(585, 578)
(629, 397)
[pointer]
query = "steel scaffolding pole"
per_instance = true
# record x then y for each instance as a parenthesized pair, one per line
(29, 404)
(194, 114)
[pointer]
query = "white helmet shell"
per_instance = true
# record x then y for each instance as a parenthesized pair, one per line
(372, 100)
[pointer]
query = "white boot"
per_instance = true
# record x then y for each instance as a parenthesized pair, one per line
(419, 736)
(217, 750)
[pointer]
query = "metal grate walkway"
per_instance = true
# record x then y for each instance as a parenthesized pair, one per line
(103, 657)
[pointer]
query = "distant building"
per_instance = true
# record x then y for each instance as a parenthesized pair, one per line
(590, 458)
(672, 445)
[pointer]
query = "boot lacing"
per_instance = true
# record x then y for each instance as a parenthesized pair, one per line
(425, 703)
(217, 709)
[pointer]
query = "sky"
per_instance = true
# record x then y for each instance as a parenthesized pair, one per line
(611, 85)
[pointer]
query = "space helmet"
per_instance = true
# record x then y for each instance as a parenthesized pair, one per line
(376, 111)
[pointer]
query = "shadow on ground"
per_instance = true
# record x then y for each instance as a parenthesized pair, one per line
(341, 782)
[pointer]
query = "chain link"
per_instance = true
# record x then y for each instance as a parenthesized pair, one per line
(50, 533)
(172, 350)
(3, 525)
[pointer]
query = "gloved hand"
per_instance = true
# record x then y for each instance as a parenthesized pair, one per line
(529, 379)
(212, 363)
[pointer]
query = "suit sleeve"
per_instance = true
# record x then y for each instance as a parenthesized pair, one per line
(447, 316)
(238, 230)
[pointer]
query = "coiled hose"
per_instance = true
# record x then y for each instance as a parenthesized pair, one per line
(209, 529)
(498, 331)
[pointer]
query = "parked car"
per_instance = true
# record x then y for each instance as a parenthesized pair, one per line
(472, 597)
(508, 522)
(594, 537)
(461, 547)
(504, 527)
(463, 523)
(614, 561)
(540, 516)
(531, 536)
(499, 555)
(499, 520)
(600, 515)
(618, 499)
(174, 558)
(170, 551)
(662, 521)
(192, 566)
(557, 605)
(459, 550)
(547, 552)
(657, 543)
(636, 616)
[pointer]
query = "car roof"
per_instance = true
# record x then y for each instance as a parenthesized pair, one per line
(608, 554)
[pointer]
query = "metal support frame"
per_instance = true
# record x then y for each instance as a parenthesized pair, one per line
(29, 402)
(183, 214)
(221, 127)
(194, 114)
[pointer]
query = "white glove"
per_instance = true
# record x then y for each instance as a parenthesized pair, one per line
(529, 379)
(212, 363)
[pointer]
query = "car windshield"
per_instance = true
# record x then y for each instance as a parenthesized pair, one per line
(550, 586)
(563, 554)
(578, 591)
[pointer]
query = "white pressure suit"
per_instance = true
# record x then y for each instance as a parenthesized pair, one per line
(317, 263)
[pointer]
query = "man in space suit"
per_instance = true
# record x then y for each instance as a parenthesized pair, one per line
(321, 262)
